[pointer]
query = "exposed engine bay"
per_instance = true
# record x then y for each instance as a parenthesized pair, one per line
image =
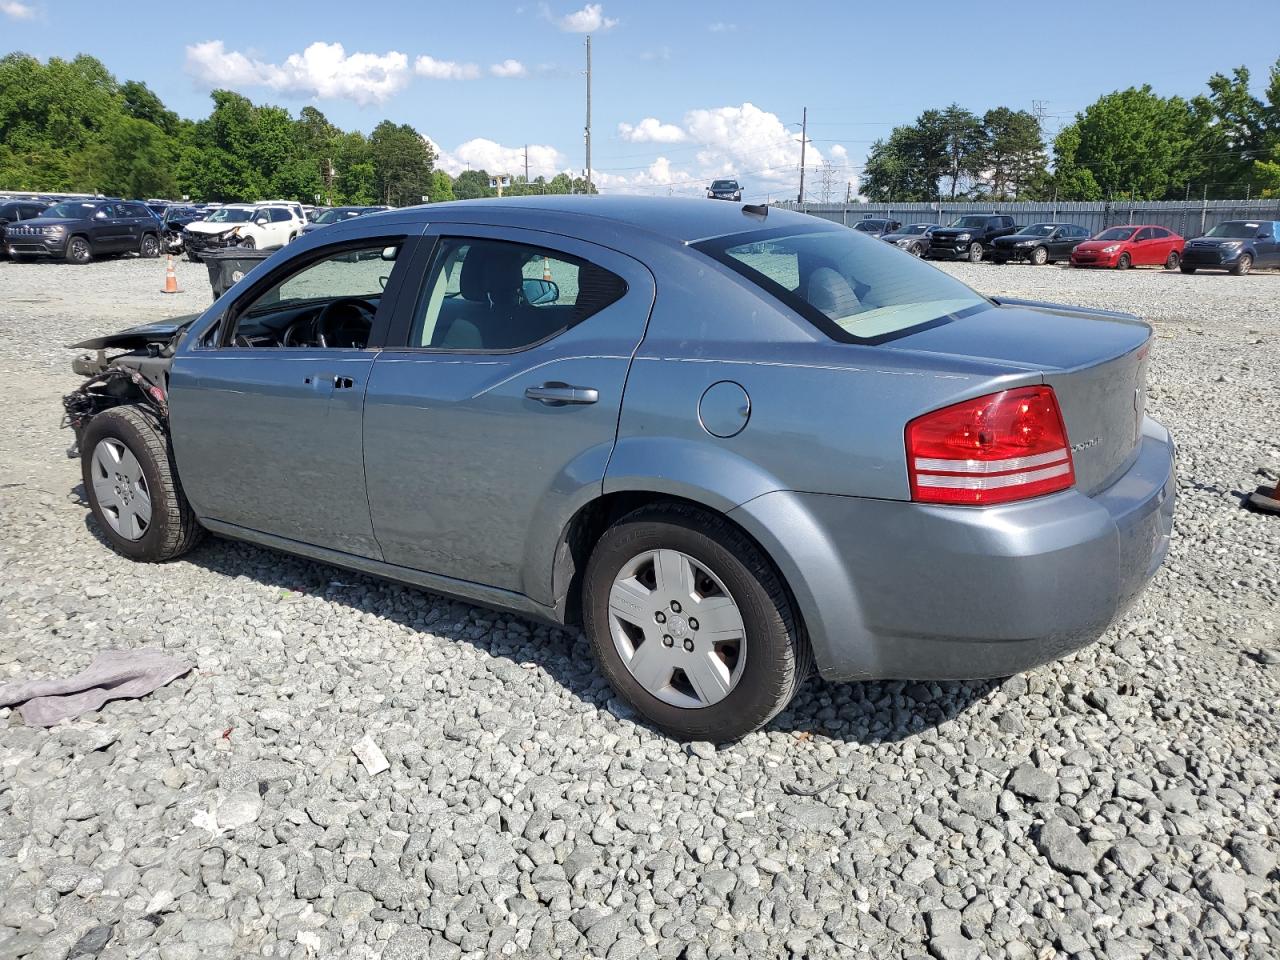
(139, 374)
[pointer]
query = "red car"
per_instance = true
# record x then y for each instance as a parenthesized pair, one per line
(1135, 245)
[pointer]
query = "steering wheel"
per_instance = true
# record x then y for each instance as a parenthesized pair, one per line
(345, 322)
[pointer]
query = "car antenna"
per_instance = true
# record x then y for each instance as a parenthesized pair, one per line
(755, 210)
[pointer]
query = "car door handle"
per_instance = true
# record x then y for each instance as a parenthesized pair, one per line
(556, 394)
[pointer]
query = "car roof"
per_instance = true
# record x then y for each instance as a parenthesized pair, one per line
(676, 218)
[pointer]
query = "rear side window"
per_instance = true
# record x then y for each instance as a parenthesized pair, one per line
(851, 287)
(492, 295)
(279, 215)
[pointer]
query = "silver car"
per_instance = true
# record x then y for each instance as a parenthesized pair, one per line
(732, 442)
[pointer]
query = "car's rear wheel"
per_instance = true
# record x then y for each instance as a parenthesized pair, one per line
(691, 624)
(1124, 262)
(133, 490)
(1172, 261)
(975, 253)
(1243, 265)
(1039, 256)
(78, 251)
(150, 247)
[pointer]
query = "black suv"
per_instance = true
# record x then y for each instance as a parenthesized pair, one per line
(968, 237)
(11, 211)
(80, 230)
(724, 190)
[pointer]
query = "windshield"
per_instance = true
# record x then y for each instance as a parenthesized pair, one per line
(1115, 233)
(230, 215)
(969, 222)
(1037, 230)
(852, 288)
(333, 216)
(869, 226)
(71, 209)
(1236, 229)
(724, 185)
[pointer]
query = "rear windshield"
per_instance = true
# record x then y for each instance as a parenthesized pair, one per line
(851, 287)
(1115, 233)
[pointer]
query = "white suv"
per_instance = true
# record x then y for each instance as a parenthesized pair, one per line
(261, 226)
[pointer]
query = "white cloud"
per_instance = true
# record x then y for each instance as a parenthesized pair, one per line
(651, 130)
(590, 19)
(743, 141)
(721, 27)
(17, 11)
(483, 154)
(322, 70)
(662, 54)
(435, 69)
(509, 68)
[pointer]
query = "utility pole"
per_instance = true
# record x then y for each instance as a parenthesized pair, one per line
(526, 163)
(804, 139)
(588, 127)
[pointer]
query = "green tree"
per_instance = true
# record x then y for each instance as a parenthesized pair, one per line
(441, 188)
(1013, 163)
(471, 184)
(141, 103)
(402, 163)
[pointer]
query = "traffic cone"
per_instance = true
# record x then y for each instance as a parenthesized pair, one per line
(1265, 502)
(170, 278)
(546, 269)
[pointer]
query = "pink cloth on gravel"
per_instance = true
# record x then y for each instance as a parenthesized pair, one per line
(113, 675)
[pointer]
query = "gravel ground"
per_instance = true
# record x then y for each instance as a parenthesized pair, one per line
(1122, 803)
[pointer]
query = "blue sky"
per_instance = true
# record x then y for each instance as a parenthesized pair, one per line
(682, 92)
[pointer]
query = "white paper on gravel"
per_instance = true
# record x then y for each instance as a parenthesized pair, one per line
(367, 752)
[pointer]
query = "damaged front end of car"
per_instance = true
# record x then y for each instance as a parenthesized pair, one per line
(139, 374)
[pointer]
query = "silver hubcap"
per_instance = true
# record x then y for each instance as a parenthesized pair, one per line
(121, 489)
(677, 629)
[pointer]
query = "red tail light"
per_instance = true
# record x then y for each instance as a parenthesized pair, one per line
(993, 449)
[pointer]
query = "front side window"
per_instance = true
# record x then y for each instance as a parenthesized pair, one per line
(329, 302)
(493, 295)
(850, 287)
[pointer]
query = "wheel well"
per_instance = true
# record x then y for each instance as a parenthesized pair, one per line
(588, 525)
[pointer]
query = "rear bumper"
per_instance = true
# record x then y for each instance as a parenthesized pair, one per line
(889, 589)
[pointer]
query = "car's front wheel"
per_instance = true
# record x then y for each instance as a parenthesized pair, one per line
(1039, 256)
(1243, 265)
(79, 251)
(193, 256)
(691, 624)
(150, 247)
(248, 243)
(133, 490)
(975, 253)
(1124, 262)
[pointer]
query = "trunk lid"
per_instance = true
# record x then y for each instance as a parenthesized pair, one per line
(1096, 362)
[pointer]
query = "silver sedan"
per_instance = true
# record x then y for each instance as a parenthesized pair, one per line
(734, 443)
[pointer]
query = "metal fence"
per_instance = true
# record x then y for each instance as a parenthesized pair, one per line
(1188, 218)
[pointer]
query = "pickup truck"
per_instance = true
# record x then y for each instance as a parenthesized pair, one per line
(968, 237)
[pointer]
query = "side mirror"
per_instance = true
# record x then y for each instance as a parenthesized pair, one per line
(538, 292)
(100, 215)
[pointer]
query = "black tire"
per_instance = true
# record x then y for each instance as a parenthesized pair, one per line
(975, 252)
(149, 248)
(1185, 269)
(1242, 266)
(248, 243)
(1040, 256)
(193, 256)
(78, 251)
(778, 657)
(998, 259)
(1124, 262)
(1172, 261)
(173, 529)
(916, 250)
